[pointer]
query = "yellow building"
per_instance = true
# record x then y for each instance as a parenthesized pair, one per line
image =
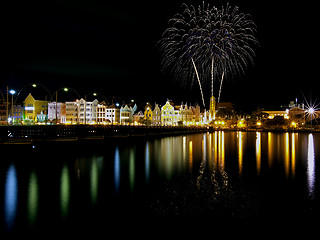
(33, 108)
(167, 114)
(148, 114)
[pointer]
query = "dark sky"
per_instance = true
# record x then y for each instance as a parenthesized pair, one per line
(110, 48)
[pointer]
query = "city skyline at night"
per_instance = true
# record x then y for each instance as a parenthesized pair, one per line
(112, 47)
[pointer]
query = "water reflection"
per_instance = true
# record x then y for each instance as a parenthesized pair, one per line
(293, 153)
(311, 164)
(240, 153)
(64, 191)
(94, 180)
(132, 169)
(219, 158)
(147, 163)
(117, 171)
(33, 200)
(258, 152)
(10, 197)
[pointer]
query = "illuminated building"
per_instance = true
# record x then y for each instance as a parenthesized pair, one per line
(148, 114)
(167, 114)
(126, 114)
(72, 112)
(33, 107)
(81, 111)
(57, 111)
(87, 111)
(186, 115)
(107, 114)
(156, 116)
(113, 114)
(17, 114)
(138, 117)
(212, 110)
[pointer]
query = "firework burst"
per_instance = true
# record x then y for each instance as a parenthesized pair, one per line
(208, 44)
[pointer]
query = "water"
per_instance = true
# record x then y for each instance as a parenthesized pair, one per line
(225, 176)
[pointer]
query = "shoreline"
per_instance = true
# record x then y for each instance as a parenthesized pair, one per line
(92, 133)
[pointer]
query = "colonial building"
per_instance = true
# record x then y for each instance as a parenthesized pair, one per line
(33, 107)
(72, 112)
(138, 118)
(186, 115)
(167, 114)
(126, 114)
(57, 112)
(107, 114)
(148, 114)
(156, 116)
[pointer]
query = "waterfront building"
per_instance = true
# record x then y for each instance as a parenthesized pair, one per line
(17, 114)
(148, 114)
(42, 118)
(87, 111)
(138, 117)
(126, 114)
(107, 114)
(156, 116)
(196, 114)
(112, 114)
(57, 112)
(186, 115)
(33, 107)
(167, 114)
(72, 109)
(101, 113)
(3, 113)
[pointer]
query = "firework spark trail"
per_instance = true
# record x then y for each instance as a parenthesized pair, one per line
(195, 68)
(208, 41)
(220, 86)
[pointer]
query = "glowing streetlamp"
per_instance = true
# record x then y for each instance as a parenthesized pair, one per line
(12, 92)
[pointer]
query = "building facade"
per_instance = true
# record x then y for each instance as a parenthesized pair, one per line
(33, 107)
(167, 114)
(57, 112)
(156, 116)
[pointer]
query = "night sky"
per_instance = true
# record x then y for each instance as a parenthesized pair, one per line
(110, 47)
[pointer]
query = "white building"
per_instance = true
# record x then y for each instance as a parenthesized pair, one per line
(81, 111)
(87, 111)
(57, 111)
(107, 114)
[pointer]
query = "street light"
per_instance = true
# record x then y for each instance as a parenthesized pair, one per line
(65, 89)
(12, 92)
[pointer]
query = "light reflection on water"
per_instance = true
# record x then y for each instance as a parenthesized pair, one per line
(122, 171)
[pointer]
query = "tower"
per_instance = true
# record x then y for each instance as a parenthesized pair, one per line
(212, 110)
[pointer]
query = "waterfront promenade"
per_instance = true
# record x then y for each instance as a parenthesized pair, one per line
(63, 133)
(36, 133)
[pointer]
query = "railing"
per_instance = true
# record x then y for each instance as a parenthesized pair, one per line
(88, 131)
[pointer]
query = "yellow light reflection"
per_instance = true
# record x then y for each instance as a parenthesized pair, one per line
(94, 180)
(240, 157)
(221, 150)
(215, 150)
(258, 152)
(293, 154)
(270, 149)
(287, 155)
(190, 155)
